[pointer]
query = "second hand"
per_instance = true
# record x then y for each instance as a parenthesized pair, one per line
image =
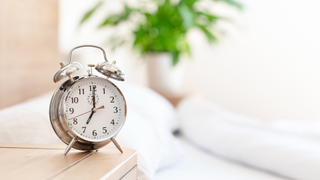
(101, 107)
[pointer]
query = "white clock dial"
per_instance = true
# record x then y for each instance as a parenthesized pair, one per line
(95, 109)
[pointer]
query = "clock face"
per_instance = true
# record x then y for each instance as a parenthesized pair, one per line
(94, 109)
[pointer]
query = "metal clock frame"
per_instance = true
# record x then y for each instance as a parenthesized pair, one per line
(56, 111)
(60, 125)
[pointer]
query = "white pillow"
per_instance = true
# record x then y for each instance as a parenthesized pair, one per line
(147, 128)
(28, 122)
(249, 140)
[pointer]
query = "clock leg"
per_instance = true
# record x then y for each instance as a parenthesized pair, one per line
(70, 145)
(116, 144)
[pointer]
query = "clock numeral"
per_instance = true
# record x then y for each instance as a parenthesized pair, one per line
(84, 129)
(115, 109)
(112, 122)
(112, 99)
(94, 133)
(71, 110)
(75, 121)
(81, 91)
(75, 100)
(92, 87)
(104, 90)
(104, 130)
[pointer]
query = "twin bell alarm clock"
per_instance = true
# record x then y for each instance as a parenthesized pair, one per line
(88, 112)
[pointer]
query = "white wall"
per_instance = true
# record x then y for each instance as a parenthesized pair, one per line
(266, 67)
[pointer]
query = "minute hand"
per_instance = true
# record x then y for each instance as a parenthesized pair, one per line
(94, 97)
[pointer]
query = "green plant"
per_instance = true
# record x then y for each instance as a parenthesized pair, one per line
(165, 29)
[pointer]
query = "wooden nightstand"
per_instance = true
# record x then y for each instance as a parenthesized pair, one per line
(31, 161)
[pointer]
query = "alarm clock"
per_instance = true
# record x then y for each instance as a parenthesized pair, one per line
(88, 112)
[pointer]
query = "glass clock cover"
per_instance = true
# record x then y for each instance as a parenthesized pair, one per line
(109, 104)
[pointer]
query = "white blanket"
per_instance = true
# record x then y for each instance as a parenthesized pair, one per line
(199, 164)
(269, 147)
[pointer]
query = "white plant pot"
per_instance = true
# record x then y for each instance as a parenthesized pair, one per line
(163, 77)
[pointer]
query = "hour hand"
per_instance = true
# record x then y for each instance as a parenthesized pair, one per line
(90, 117)
(94, 110)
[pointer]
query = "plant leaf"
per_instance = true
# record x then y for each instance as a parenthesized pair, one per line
(175, 57)
(186, 15)
(211, 37)
(116, 19)
(189, 3)
(90, 12)
(210, 17)
(113, 20)
(233, 3)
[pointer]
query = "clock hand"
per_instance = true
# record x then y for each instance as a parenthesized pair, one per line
(90, 116)
(101, 107)
(94, 97)
(94, 110)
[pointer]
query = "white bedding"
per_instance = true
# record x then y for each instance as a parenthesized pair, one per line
(148, 130)
(267, 146)
(198, 164)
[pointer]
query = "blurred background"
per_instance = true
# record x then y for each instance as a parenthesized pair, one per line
(264, 65)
